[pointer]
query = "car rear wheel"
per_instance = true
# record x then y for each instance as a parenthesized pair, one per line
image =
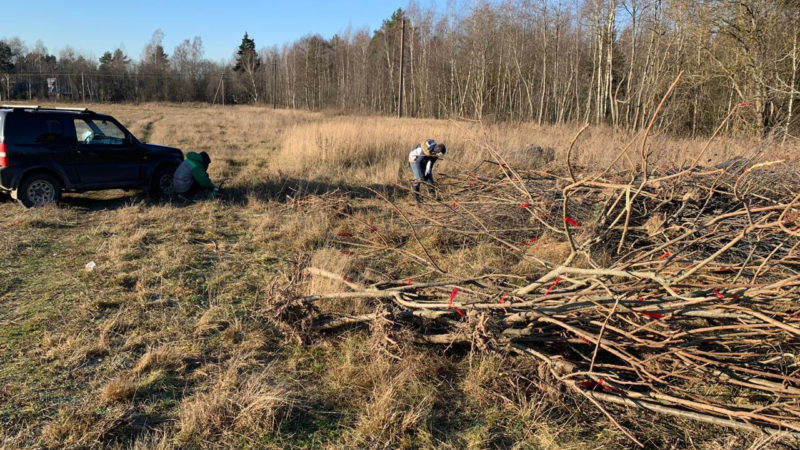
(161, 183)
(39, 189)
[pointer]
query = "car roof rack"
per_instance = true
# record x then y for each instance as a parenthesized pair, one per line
(40, 108)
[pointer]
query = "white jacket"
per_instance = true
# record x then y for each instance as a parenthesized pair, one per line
(416, 154)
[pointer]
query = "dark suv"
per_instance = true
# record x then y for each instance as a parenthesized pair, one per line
(44, 151)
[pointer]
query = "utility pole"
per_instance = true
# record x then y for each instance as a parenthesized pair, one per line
(223, 88)
(402, 65)
(275, 82)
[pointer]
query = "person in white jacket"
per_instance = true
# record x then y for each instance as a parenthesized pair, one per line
(421, 159)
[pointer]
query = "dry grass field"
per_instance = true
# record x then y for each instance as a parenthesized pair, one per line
(177, 339)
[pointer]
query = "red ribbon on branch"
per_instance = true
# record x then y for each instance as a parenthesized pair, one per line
(555, 283)
(571, 222)
(650, 315)
(453, 295)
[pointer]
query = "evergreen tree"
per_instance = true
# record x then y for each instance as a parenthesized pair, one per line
(6, 65)
(247, 63)
(247, 57)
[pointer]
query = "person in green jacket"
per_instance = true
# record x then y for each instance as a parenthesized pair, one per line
(191, 177)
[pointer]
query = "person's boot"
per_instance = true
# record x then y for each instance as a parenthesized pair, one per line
(433, 192)
(415, 193)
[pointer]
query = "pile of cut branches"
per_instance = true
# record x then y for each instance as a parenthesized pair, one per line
(702, 289)
(677, 280)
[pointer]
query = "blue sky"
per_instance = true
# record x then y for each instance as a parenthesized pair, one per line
(93, 26)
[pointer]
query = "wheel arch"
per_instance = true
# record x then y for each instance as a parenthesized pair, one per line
(60, 177)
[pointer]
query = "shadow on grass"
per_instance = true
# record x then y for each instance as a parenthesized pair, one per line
(102, 200)
(286, 189)
(278, 190)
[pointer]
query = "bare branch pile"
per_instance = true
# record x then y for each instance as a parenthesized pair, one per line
(678, 296)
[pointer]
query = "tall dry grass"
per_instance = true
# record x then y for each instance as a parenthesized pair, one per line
(375, 149)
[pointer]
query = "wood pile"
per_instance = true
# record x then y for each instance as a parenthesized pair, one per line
(679, 295)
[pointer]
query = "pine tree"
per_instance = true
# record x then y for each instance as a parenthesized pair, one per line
(248, 62)
(5, 58)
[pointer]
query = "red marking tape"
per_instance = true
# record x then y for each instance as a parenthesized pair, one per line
(666, 255)
(525, 205)
(718, 294)
(452, 297)
(555, 283)
(641, 299)
(571, 222)
(455, 205)
(530, 241)
(600, 383)
(503, 297)
(608, 387)
(408, 282)
(653, 315)
(461, 313)
(373, 229)
(344, 234)
(585, 340)
(502, 165)
(745, 104)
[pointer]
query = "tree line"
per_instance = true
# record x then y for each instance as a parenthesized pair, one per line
(548, 61)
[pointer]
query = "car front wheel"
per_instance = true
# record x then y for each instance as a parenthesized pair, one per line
(39, 189)
(161, 183)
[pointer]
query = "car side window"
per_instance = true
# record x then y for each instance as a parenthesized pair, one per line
(35, 130)
(98, 132)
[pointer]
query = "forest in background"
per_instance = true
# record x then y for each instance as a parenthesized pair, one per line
(596, 61)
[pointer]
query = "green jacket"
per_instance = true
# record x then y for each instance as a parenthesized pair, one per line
(199, 171)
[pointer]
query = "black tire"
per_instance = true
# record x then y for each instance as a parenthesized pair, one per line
(39, 189)
(161, 183)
